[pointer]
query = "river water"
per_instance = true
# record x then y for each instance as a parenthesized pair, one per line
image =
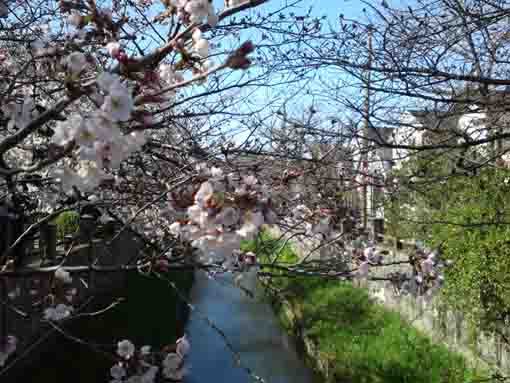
(253, 331)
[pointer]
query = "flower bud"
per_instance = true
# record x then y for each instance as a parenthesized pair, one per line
(246, 48)
(162, 265)
(238, 59)
(238, 62)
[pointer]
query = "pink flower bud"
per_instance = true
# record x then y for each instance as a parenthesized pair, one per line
(122, 57)
(162, 265)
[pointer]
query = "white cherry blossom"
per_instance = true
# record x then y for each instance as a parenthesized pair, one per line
(107, 80)
(76, 62)
(118, 371)
(58, 313)
(201, 47)
(183, 346)
(113, 48)
(172, 367)
(125, 349)
(63, 275)
(20, 115)
(363, 270)
(119, 102)
(65, 131)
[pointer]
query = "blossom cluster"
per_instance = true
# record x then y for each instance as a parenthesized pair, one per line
(428, 273)
(58, 312)
(220, 212)
(101, 142)
(57, 304)
(60, 307)
(364, 258)
(425, 277)
(195, 11)
(146, 365)
(427, 268)
(316, 221)
(20, 115)
(7, 348)
(85, 118)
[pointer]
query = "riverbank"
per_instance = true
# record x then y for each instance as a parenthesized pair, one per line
(347, 337)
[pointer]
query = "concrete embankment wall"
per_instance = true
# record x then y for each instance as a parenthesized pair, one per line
(486, 350)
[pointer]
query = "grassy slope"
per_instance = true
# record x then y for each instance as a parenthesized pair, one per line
(360, 340)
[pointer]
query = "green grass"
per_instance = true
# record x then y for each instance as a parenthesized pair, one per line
(67, 223)
(361, 341)
(149, 316)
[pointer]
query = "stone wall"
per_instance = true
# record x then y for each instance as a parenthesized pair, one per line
(483, 350)
(447, 326)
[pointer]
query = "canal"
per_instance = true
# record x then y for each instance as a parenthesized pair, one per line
(149, 316)
(252, 329)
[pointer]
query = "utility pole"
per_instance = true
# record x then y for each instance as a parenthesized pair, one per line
(366, 128)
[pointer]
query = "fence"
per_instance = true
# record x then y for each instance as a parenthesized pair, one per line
(24, 291)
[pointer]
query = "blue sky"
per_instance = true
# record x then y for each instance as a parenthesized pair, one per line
(351, 9)
(331, 8)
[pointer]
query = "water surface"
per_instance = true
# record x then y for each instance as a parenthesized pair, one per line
(251, 327)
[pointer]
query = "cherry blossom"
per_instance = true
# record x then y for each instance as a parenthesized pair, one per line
(118, 372)
(145, 350)
(222, 212)
(58, 312)
(76, 62)
(194, 11)
(63, 275)
(200, 45)
(183, 346)
(172, 367)
(363, 270)
(113, 48)
(66, 131)
(125, 349)
(20, 115)
(119, 103)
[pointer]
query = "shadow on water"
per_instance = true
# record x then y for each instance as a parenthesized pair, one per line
(149, 315)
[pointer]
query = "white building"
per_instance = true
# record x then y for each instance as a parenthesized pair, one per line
(438, 132)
